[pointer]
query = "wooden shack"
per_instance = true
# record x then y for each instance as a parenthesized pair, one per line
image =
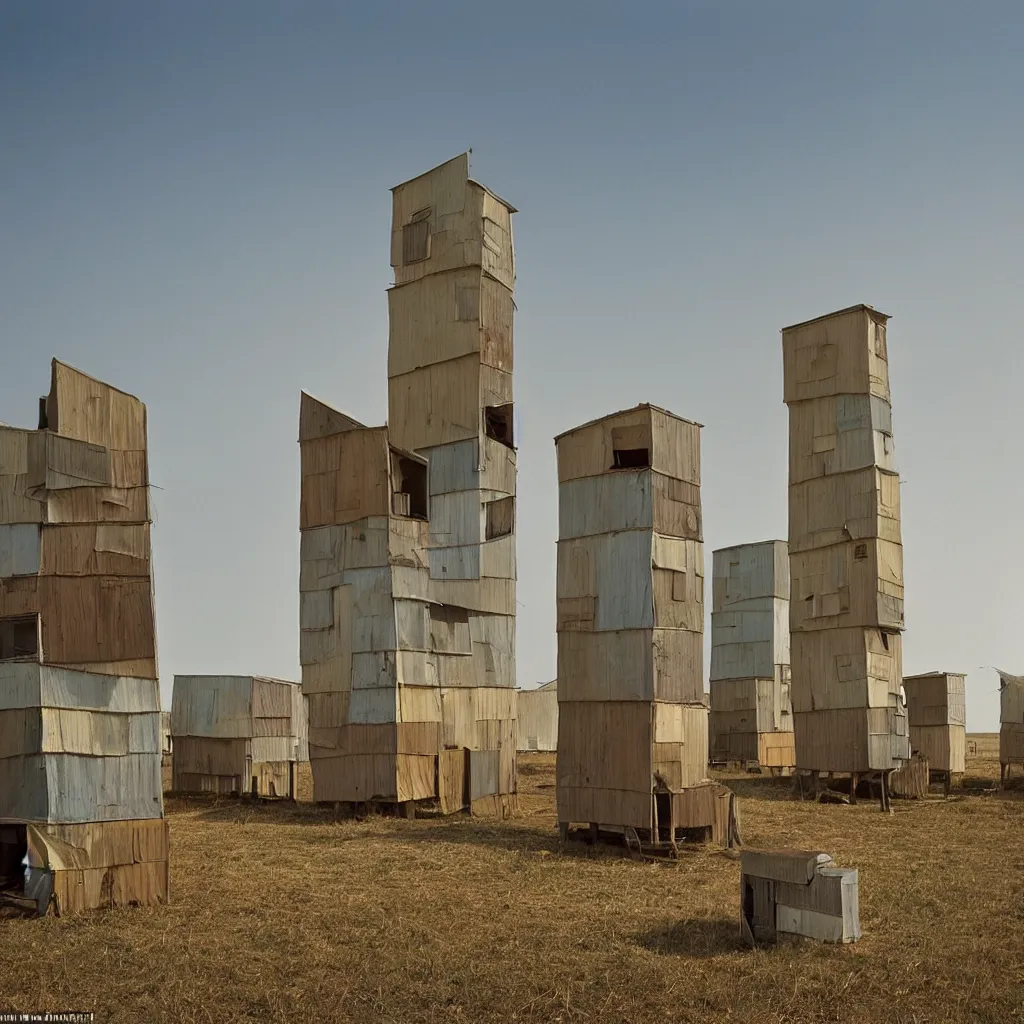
(408, 531)
(537, 718)
(937, 715)
(846, 560)
(235, 734)
(751, 718)
(797, 892)
(81, 804)
(1011, 722)
(632, 716)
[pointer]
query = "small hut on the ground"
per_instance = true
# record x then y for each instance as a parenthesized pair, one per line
(537, 717)
(236, 734)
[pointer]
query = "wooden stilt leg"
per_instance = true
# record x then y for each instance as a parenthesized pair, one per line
(563, 831)
(854, 779)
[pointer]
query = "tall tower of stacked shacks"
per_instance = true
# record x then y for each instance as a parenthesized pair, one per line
(846, 558)
(81, 800)
(408, 545)
(632, 717)
(751, 712)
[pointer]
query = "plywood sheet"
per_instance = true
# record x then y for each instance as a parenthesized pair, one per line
(841, 353)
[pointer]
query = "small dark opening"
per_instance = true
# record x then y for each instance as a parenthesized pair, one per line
(860, 551)
(13, 846)
(663, 805)
(885, 640)
(43, 421)
(631, 458)
(748, 905)
(411, 478)
(498, 423)
(19, 638)
(500, 517)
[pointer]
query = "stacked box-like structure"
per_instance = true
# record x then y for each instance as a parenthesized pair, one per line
(632, 717)
(846, 558)
(1011, 721)
(81, 803)
(537, 718)
(797, 892)
(937, 713)
(751, 714)
(411, 670)
(236, 734)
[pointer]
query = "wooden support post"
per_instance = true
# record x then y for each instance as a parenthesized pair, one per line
(1002, 774)
(563, 831)
(886, 801)
(407, 809)
(255, 792)
(854, 780)
(817, 785)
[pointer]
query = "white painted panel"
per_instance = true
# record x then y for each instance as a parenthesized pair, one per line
(453, 467)
(214, 706)
(498, 558)
(19, 549)
(622, 565)
(373, 613)
(750, 572)
(416, 668)
(742, 661)
(456, 519)
(461, 563)
(412, 625)
(373, 670)
(373, 707)
(27, 684)
(316, 609)
(272, 748)
(537, 719)
(606, 503)
(811, 923)
(71, 788)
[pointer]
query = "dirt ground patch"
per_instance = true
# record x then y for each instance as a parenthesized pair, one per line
(280, 914)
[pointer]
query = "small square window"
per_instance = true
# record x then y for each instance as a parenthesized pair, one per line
(19, 638)
(498, 423)
(416, 237)
(500, 517)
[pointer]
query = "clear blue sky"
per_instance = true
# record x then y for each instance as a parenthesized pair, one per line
(194, 206)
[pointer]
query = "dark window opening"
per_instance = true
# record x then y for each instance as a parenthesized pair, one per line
(410, 487)
(885, 640)
(19, 638)
(43, 420)
(500, 517)
(860, 552)
(416, 238)
(498, 423)
(631, 458)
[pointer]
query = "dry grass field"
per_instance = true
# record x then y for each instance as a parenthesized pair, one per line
(280, 914)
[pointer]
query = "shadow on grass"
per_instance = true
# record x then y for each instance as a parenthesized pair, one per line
(697, 937)
(762, 787)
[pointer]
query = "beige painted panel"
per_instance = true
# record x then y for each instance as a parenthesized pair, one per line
(842, 353)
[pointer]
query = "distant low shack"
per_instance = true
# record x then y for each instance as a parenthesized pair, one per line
(937, 714)
(538, 718)
(235, 734)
